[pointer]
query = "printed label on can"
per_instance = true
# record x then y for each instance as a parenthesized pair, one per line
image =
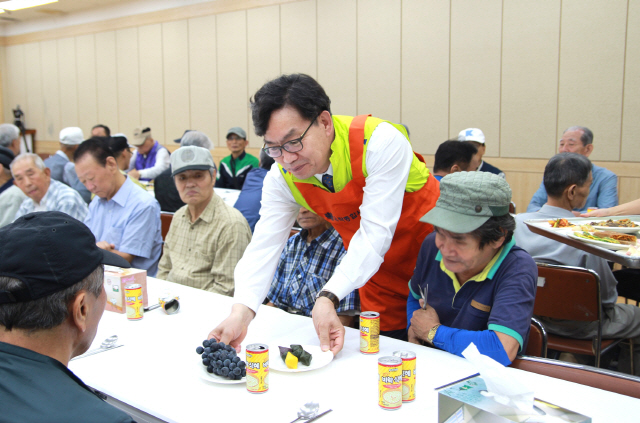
(408, 374)
(257, 368)
(133, 300)
(390, 383)
(369, 332)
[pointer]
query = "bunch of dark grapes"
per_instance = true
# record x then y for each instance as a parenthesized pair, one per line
(221, 360)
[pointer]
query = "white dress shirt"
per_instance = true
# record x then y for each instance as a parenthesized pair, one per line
(388, 160)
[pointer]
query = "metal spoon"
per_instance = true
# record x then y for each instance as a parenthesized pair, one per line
(106, 344)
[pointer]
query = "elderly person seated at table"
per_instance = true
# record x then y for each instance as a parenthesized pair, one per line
(481, 286)
(567, 178)
(11, 197)
(306, 265)
(207, 237)
(124, 218)
(50, 307)
(45, 193)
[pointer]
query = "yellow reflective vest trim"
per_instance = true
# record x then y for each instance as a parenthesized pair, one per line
(341, 160)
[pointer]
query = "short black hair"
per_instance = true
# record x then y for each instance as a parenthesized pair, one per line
(105, 127)
(118, 144)
(298, 90)
(564, 170)
(98, 147)
(453, 152)
(494, 229)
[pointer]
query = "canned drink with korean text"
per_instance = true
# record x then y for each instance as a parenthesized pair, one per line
(408, 374)
(369, 332)
(257, 368)
(390, 383)
(133, 300)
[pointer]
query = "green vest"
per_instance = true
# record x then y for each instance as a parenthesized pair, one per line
(341, 161)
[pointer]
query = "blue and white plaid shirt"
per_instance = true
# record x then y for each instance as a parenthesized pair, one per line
(59, 197)
(304, 269)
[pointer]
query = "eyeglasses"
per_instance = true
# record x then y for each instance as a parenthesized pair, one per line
(292, 146)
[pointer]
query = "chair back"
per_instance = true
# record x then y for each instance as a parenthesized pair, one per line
(537, 344)
(607, 380)
(165, 221)
(568, 293)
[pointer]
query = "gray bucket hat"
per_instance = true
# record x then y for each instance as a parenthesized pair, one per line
(190, 158)
(467, 200)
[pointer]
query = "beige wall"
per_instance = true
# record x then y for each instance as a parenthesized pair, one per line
(521, 71)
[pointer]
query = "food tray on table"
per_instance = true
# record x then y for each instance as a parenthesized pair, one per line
(542, 227)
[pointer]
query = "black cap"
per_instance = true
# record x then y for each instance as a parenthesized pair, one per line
(6, 157)
(49, 252)
(179, 140)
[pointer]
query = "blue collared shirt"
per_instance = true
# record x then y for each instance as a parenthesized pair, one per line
(130, 221)
(59, 197)
(303, 271)
(603, 192)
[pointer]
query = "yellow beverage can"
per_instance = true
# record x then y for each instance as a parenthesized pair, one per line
(133, 300)
(257, 368)
(390, 383)
(408, 374)
(369, 332)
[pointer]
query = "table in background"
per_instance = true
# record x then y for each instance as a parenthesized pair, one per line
(158, 371)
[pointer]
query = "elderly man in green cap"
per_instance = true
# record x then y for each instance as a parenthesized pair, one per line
(478, 285)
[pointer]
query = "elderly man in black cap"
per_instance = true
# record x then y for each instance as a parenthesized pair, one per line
(51, 300)
(477, 284)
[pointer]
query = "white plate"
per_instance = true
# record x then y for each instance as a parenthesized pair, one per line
(319, 359)
(210, 377)
(618, 229)
(608, 245)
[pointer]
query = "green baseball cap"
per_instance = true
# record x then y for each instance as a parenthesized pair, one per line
(467, 200)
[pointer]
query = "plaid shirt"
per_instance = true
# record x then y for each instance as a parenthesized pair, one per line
(58, 197)
(304, 269)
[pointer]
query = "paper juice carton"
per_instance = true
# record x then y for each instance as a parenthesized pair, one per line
(115, 279)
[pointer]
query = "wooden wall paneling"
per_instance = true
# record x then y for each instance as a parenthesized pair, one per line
(591, 71)
(379, 35)
(530, 42)
(475, 69)
(628, 189)
(50, 90)
(233, 96)
(263, 54)
(128, 78)
(151, 82)
(630, 148)
(67, 72)
(298, 38)
(106, 82)
(32, 103)
(523, 186)
(425, 72)
(175, 54)
(15, 87)
(87, 84)
(203, 89)
(337, 54)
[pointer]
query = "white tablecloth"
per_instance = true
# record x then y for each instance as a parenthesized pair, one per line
(158, 371)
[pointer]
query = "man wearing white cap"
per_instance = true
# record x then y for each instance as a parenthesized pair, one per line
(476, 136)
(150, 158)
(70, 138)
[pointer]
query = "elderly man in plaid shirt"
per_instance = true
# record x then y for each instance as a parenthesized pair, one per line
(306, 264)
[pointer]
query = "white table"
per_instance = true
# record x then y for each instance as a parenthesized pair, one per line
(157, 371)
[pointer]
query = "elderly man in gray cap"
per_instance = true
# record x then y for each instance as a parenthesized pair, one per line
(478, 285)
(235, 167)
(207, 237)
(150, 159)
